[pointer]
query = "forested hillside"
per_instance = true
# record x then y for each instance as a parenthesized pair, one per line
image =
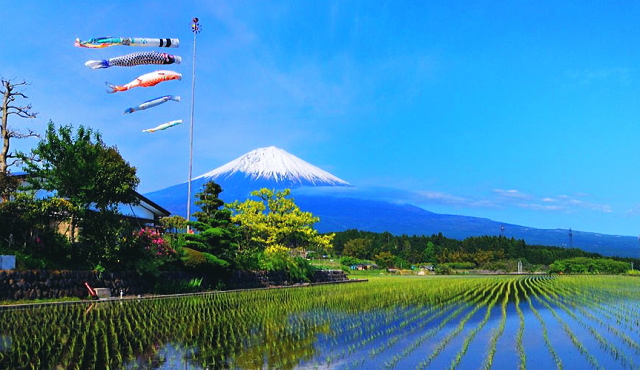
(437, 248)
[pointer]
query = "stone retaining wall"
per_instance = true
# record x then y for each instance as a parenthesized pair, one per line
(265, 279)
(44, 284)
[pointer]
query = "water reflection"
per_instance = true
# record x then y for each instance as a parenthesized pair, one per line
(350, 327)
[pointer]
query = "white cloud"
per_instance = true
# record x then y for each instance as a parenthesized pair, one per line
(511, 194)
(500, 198)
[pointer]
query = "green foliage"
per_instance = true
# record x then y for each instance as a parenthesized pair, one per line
(178, 287)
(583, 265)
(443, 269)
(8, 185)
(81, 168)
(202, 261)
(274, 229)
(174, 231)
(485, 252)
(385, 259)
(193, 259)
(429, 253)
(352, 261)
(211, 211)
(101, 239)
(302, 270)
(358, 248)
(28, 227)
(215, 234)
(459, 265)
(214, 261)
(144, 251)
(274, 219)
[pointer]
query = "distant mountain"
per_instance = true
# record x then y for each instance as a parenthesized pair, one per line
(342, 206)
(275, 166)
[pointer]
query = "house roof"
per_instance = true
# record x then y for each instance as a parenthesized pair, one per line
(146, 210)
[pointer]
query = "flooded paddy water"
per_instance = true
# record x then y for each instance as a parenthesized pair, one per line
(497, 322)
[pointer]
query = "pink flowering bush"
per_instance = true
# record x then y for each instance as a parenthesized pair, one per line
(152, 243)
(149, 252)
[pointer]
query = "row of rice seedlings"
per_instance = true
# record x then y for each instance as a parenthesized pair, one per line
(537, 291)
(497, 332)
(617, 353)
(424, 316)
(519, 345)
(431, 332)
(623, 311)
(236, 328)
(545, 332)
(442, 344)
(357, 336)
(471, 336)
(421, 319)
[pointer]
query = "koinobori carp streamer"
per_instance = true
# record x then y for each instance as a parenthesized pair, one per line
(135, 59)
(152, 103)
(164, 126)
(103, 42)
(146, 80)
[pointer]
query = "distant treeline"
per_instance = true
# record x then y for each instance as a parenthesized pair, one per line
(480, 250)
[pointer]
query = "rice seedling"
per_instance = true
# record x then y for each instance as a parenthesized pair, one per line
(390, 321)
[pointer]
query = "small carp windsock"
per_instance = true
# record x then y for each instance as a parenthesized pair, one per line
(164, 126)
(146, 80)
(152, 103)
(135, 59)
(103, 42)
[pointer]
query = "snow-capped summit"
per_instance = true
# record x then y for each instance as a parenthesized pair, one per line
(274, 164)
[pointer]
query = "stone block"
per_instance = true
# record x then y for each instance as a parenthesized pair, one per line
(103, 292)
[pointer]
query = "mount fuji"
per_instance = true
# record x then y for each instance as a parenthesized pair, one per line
(342, 206)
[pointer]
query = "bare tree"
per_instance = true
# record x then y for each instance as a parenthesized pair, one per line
(10, 92)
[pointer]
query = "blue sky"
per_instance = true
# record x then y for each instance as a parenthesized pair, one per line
(520, 111)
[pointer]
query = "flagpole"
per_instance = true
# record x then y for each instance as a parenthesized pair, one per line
(195, 28)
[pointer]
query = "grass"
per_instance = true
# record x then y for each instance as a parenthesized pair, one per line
(36, 301)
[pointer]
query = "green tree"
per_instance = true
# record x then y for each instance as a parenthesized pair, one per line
(274, 219)
(174, 230)
(429, 253)
(82, 169)
(358, 248)
(28, 228)
(216, 234)
(276, 228)
(385, 259)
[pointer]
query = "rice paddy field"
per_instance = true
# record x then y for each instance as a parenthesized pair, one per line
(498, 322)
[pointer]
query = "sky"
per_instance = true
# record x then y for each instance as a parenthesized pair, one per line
(524, 112)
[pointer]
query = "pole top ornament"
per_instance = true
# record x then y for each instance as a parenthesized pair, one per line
(195, 25)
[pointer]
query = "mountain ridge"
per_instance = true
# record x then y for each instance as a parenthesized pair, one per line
(342, 206)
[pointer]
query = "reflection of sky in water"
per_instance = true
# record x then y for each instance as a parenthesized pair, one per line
(349, 348)
(605, 334)
(168, 357)
(362, 340)
(5, 343)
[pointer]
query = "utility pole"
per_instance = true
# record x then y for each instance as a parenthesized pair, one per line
(570, 238)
